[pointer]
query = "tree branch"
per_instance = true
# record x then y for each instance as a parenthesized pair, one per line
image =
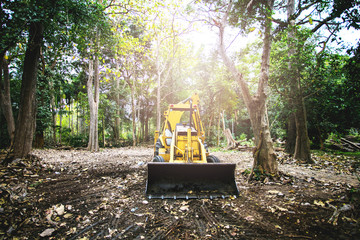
(231, 66)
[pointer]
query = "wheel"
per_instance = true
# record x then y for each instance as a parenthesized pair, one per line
(212, 159)
(158, 159)
(157, 146)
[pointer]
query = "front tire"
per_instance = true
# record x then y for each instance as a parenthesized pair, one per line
(212, 159)
(158, 145)
(158, 159)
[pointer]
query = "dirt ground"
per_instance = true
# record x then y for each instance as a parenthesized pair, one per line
(75, 194)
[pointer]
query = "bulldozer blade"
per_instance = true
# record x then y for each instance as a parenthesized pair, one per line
(191, 180)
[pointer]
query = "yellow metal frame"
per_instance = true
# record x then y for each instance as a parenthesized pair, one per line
(184, 147)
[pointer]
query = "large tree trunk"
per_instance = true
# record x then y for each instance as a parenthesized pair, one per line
(302, 146)
(5, 98)
(264, 155)
(25, 125)
(291, 126)
(302, 143)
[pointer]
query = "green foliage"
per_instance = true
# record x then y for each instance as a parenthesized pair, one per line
(333, 105)
(80, 140)
(135, 40)
(355, 134)
(244, 141)
(220, 149)
(323, 80)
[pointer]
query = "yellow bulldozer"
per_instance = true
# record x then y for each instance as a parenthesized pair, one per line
(182, 166)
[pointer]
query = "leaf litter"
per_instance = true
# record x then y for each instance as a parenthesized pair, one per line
(75, 194)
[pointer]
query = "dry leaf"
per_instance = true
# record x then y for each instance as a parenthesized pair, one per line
(184, 208)
(249, 218)
(60, 210)
(319, 203)
(47, 232)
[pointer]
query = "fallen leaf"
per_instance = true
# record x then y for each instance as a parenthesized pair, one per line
(60, 210)
(68, 215)
(272, 209)
(282, 209)
(249, 218)
(275, 192)
(184, 208)
(319, 203)
(47, 232)
(349, 219)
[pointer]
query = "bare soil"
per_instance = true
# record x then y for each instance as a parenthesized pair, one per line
(75, 194)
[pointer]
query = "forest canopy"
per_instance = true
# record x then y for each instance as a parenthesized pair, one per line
(101, 73)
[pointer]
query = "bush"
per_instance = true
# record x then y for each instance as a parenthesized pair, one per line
(80, 140)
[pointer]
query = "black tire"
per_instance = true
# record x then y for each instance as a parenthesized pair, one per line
(158, 145)
(158, 159)
(212, 159)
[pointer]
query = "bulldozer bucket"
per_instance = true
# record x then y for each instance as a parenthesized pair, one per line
(191, 180)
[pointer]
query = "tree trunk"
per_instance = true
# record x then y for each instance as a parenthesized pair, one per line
(146, 133)
(264, 155)
(218, 132)
(25, 125)
(53, 110)
(117, 100)
(103, 130)
(93, 98)
(291, 125)
(290, 135)
(71, 125)
(302, 143)
(302, 146)
(158, 99)
(60, 121)
(39, 141)
(5, 98)
(231, 144)
(209, 126)
(133, 114)
(138, 133)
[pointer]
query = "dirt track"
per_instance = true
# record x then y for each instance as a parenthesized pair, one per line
(82, 195)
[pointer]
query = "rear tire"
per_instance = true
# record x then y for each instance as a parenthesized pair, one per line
(212, 159)
(158, 159)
